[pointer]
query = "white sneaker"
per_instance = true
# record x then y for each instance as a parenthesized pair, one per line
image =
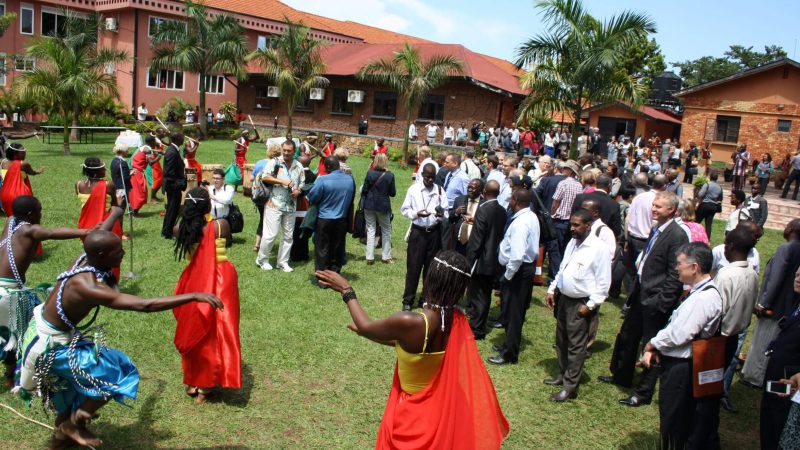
(285, 268)
(265, 266)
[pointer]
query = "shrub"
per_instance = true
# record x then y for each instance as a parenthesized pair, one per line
(699, 181)
(229, 109)
(177, 104)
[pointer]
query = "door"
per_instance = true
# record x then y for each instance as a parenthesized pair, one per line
(615, 126)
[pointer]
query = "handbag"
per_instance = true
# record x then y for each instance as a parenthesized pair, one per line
(708, 366)
(235, 218)
(359, 221)
(233, 175)
(261, 192)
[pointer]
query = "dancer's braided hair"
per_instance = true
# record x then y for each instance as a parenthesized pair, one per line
(445, 283)
(93, 167)
(193, 222)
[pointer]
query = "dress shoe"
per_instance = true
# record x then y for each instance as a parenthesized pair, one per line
(557, 381)
(563, 395)
(494, 324)
(406, 307)
(499, 348)
(499, 360)
(727, 405)
(634, 401)
(370, 262)
(606, 379)
(387, 261)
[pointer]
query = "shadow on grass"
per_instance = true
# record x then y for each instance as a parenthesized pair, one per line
(147, 435)
(642, 441)
(239, 397)
(226, 447)
(129, 285)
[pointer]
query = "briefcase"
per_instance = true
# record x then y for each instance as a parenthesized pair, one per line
(708, 366)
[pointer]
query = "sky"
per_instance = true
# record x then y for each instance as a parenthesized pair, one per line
(686, 29)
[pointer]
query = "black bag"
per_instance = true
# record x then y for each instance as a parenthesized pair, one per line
(260, 192)
(359, 221)
(547, 230)
(235, 219)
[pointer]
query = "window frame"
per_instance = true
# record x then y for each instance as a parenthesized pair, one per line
(220, 83)
(164, 19)
(786, 121)
(265, 98)
(25, 59)
(3, 68)
(346, 103)
(27, 7)
(304, 104)
(381, 96)
(267, 41)
(727, 120)
(3, 6)
(426, 104)
(166, 88)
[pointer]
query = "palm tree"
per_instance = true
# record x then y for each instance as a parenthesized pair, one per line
(294, 64)
(71, 69)
(575, 62)
(411, 77)
(200, 45)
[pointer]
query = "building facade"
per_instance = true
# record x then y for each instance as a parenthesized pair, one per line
(616, 119)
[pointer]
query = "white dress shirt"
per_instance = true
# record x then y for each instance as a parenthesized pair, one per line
(220, 204)
(497, 175)
(520, 243)
(720, 261)
(412, 131)
(699, 316)
(504, 197)
(738, 284)
(585, 271)
(142, 113)
(419, 198)
(644, 254)
(640, 215)
(604, 233)
(740, 213)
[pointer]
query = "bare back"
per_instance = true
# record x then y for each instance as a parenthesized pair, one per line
(23, 246)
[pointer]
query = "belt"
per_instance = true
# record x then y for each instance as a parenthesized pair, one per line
(636, 238)
(429, 229)
(580, 299)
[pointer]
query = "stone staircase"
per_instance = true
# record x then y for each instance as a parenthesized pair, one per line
(781, 211)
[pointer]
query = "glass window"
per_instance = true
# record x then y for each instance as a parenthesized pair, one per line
(2, 9)
(304, 104)
(215, 84)
(52, 24)
(155, 22)
(784, 126)
(384, 104)
(2, 69)
(26, 19)
(262, 100)
(728, 129)
(432, 108)
(24, 63)
(165, 79)
(264, 42)
(340, 103)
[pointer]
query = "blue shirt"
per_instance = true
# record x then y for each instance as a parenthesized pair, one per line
(520, 242)
(455, 185)
(333, 195)
(259, 166)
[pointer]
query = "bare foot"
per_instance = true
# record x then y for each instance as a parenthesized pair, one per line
(79, 434)
(201, 398)
(59, 441)
(191, 391)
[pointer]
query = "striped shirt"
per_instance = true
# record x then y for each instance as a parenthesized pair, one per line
(566, 192)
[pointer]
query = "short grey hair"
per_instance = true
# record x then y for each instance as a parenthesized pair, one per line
(670, 197)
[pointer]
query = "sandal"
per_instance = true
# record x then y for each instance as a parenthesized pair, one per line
(191, 391)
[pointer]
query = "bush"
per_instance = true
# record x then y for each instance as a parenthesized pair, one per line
(84, 121)
(177, 104)
(229, 109)
(106, 105)
(699, 181)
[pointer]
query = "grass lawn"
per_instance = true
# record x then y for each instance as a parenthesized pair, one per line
(308, 381)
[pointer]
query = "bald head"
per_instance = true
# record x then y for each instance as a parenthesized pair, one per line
(660, 182)
(640, 180)
(492, 189)
(103, 249)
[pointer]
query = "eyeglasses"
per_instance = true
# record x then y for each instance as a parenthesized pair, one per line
(217, 178)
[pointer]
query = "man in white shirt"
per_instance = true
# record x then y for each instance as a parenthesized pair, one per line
(412, 132)
(141, 112)
(426, 206)
(469, 166)
(449, 134)
(220, 119)
(638, 224)
(686, 421)
(462, 135)
(515, 135)
(189, 115)
(582, 284)
(603, 232)
(753, 257)
(221, 195)
(518, 253)
(430, 131)
(496, 172)
(509, 164)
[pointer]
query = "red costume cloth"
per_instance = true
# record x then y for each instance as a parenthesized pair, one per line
(194, 164)
(240, 154)
(208, 339)
(382, 149)
(14, 185)
(94, 211)
(158, 175)
(138, 194)
(457, 410)
(327, 151)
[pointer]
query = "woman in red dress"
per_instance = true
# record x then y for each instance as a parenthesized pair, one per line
(15, 172)
(189, 154)
(207, 339)
(242, 145)
(97, 196)
(442, 396)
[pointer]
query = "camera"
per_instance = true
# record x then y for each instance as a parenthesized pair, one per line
(439, 211)
(205, 183)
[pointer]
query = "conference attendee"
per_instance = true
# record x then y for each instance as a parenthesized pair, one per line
(333, 194)
(753, 258)
(579, 289)
(495, 169)
(448, 134)
(342, 154)
(425, 205)
(376, 193)
(456, 181)
(469, 166)
(697, 233)
(758, 206)
(120, 176)
(430, 132)
(740, 210)
(260, 201)
(424, 158)
(741, 162)
(784, 359)
(710, 201)
(601, 231)
(141, 112)
(412, 132)
(609, 209)
(508, 164)
(174, 183)
(563, 198)
(207, 339)
(221, 195)
(460, 217)
(763, 171)
(792, 177)
(656, 293)
(547, 187)
(674, 185)
(737, 283)
(441, 395)
(638, 224)
(517, 253)
(686, 421)
(775, 301)
(299, 250)
(488, 226)
(363, 125)
(15, 173)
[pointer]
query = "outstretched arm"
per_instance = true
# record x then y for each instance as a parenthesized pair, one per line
(27, 168)
(102, 295)
(40, 233)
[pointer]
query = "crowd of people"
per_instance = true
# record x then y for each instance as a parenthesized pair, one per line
(482, 223)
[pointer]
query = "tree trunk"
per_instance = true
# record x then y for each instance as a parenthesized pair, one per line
(405, 138)
(76, 111)
(66, 131)
(202, 121)
(576, 130)
(290, 105)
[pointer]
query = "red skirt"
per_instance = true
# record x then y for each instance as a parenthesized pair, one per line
(158, 175)
(138, 193)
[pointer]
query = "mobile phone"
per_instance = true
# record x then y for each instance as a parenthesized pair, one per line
(776, 387)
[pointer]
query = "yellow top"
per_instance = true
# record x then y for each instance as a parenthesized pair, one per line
(83, 198)
(219, 245)
(3, 174)
(417, 370)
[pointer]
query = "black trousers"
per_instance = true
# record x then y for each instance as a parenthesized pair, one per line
(173, 210)
(635, 246)
(422, 247)
(572, 334)
(517, 295)
(329, 243)
(479, 297)
(705, 213)
(686, 422)
(640, 325)
(794, 177)
(299, 251)
(260, 227)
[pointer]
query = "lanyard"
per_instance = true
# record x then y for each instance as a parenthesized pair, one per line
(698, 288)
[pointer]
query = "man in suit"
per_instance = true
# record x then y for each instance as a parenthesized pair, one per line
(656, 293)
(460, 218)
(609, 209)
(174, 183)
(487, 232)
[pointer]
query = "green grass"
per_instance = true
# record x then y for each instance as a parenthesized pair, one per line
(308, 381)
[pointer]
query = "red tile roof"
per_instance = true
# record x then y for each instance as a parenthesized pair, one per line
(648, 111)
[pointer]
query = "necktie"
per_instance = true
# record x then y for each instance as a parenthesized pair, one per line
(447, 180)
(463, 234)
(650, 243)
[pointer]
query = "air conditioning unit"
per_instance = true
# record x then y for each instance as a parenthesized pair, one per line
(317, 94)
(355, 96)
(273, 91)
(112, 24)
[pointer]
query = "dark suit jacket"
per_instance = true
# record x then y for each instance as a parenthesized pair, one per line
(659, 288)
(377, 198)
(777, 293)
(609, 210)
(453, 224)
(174, 169)
(484, 241)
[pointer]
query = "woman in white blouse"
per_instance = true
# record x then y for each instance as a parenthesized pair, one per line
(221, 194)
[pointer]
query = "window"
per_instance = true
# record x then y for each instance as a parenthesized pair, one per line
(784, 126)
(2, 69)
(165, 79)
(2, 9)
(340, 103)
(262, 101)
(155, 22)
(432, 108)
(728, 129)
(215, 84)
(384, 105)
(264, 42)
(52, 23)
(304, 104)
(24, 63)
(26, 19)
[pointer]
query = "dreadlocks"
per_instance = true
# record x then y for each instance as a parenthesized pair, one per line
(93, 167)
(190, 229)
